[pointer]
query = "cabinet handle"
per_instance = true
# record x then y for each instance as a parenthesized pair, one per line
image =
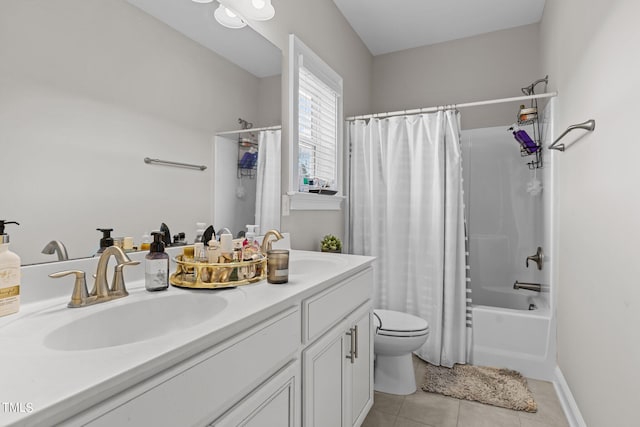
(352, 355)
(355, 341)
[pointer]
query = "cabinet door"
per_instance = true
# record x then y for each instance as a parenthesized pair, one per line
(360, 372)
(323, 391)
(273, 404)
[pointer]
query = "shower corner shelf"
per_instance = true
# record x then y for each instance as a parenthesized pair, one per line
(247, 157)
(534, 122)
(526, 122)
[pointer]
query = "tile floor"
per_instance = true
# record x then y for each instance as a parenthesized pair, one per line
(423, 409)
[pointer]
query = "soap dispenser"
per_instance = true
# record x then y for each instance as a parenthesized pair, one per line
(250, 245)
(9, 275)
(156, 266)
(250, 235)
(106, 240)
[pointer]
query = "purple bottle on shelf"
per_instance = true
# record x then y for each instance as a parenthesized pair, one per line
(525, 141)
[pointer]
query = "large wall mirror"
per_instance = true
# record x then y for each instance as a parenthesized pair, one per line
(89, 89)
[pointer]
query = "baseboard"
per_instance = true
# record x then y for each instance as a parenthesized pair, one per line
(569, 405)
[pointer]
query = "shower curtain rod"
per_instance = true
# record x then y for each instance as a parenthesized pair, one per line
(230, 132)
(451, 106)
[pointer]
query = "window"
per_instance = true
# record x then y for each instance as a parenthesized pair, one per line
(317, 130)
(316, 127)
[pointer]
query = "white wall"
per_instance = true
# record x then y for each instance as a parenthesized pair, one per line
(90, 88)
(270, 101)
(488, 66)
(321, 26)
(590, 52)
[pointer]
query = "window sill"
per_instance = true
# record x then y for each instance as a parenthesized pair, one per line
(314, 202)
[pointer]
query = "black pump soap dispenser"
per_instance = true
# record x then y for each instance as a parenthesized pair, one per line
(156, 265)
(106, 240)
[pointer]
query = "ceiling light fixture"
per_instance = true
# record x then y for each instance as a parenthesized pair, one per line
(235, 13)
(228, 18)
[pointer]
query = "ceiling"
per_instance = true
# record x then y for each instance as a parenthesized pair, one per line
(244, 47)
(388, 26)
(383, 25)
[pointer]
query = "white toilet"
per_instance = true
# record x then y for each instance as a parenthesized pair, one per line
(397, 335)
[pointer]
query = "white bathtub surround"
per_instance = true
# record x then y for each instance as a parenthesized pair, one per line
(507, 223)
(407, 210)
(268, 180)
(505, 219)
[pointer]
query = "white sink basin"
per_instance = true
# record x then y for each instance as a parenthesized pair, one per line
(136, 321)
(309, 264)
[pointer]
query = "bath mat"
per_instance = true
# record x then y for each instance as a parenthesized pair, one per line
(493, 386)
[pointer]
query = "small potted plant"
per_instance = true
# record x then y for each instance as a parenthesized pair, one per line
(331, 243)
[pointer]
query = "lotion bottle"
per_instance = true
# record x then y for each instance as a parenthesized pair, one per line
(156, 266)
(9, 275)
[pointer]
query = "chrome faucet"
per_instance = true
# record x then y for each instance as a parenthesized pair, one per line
(266, 243)
(56, 246)
(536, 287)
(101, 291)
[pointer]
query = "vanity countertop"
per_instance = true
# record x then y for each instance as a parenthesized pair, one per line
(45, 384)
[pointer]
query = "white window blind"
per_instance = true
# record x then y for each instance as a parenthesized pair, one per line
(317, 128)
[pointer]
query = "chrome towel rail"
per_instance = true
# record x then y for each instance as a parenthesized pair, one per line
(150, 161)
(589, 125)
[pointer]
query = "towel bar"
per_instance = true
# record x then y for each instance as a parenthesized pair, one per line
(177, 164)
(589, 125)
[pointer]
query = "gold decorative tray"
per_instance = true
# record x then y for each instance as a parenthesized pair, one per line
(203, 275)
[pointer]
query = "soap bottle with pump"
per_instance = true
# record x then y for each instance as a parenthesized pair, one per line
(106, 240)
(250, 245)
(9, 275)
(156, 266)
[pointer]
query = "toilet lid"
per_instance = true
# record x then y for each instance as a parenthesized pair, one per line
(397, 324)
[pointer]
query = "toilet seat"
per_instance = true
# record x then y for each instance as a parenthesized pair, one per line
(396, 324)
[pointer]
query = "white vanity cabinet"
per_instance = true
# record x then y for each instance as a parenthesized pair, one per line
(337, 367)
(199, 390)
(306, 360)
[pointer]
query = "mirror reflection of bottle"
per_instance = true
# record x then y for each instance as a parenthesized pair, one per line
(145, 244)
(156, 267)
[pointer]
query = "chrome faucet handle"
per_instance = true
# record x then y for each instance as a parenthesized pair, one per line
(117, 286)
(80, 295)
(538, 258)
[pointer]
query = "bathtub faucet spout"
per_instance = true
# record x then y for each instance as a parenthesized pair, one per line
(536, 287)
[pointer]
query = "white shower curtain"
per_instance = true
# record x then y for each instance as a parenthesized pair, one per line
(407, 210)
(268, 181)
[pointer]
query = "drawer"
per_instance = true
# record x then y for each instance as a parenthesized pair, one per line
(274, 403)
(202, 391)
(329, 307)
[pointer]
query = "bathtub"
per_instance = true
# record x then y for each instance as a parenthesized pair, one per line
(514, 336)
